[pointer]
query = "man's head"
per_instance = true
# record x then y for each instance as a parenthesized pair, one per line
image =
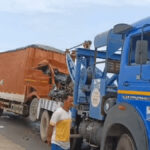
(68, 102)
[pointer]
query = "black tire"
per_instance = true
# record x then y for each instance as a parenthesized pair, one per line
(1, 112)
(33, 110)
(126, 143)
(44, 125)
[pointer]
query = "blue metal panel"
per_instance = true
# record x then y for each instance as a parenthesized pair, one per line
(71, 67)
(114, 43)
(131, 71)
(76, 85)
(102, 55)
(109, 39)
(77, 77)
(101, 39)
(82, 96)
(96, 100)
(112, 79)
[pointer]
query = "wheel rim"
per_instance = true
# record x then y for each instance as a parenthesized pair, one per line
(125, 143)
(33, 109)
(44, 125)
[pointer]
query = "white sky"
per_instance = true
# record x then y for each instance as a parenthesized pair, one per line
(56, 6)
(63, 23)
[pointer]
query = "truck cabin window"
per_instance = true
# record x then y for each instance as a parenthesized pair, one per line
(142, 55)
(45, 70)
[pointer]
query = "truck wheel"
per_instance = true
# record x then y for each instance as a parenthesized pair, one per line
(33, 109)
(125, 143)
(44, 125)
(1, 112)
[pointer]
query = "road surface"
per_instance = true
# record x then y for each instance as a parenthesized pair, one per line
(18, 133)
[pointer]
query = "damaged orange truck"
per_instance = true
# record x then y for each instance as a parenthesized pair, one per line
(28, 77)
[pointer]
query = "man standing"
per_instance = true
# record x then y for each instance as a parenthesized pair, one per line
(59, 128)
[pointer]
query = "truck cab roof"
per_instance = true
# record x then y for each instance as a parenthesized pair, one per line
(142, 23)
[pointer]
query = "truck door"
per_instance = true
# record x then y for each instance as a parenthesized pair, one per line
(145, 67)
(135, 66)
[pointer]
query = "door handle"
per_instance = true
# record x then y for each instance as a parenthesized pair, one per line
(126, 83)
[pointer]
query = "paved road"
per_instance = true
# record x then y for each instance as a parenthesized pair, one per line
(19, 134)
(7, 144)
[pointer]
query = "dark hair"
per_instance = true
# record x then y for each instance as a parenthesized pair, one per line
(65, 97)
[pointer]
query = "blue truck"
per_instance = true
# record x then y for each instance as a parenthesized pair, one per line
(112, 89)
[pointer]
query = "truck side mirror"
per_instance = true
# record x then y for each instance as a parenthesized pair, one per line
(141, 53)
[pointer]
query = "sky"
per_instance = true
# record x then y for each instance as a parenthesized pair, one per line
(63, 23)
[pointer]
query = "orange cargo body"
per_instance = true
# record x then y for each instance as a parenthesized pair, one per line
(20, 80)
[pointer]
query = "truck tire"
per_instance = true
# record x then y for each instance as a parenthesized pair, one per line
(44, 125)
(33, 110)
(126, 143)
(1, 112)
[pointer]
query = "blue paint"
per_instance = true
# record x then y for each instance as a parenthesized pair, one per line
(132, 76)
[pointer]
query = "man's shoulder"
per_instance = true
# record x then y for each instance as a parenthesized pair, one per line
(56, 115)
(59, 110)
